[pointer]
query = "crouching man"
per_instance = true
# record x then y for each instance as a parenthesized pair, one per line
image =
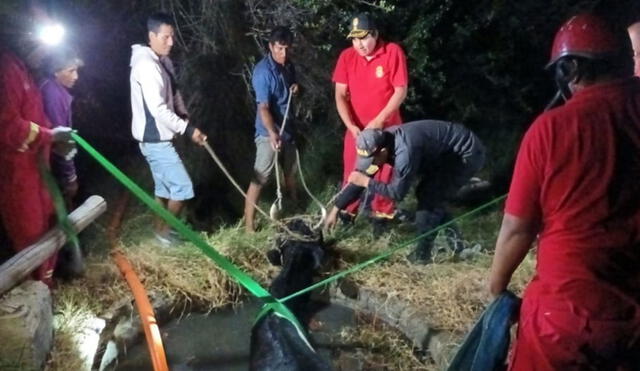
(443, 156)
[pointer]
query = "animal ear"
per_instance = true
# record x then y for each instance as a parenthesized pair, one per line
(274, 257)
(318, 256)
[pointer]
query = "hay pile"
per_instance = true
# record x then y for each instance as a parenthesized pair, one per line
(452, 293)
(384, 348)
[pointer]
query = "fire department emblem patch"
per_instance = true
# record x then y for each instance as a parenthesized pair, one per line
(379, 71)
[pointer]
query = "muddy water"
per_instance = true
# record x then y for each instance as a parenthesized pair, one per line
(220, 340)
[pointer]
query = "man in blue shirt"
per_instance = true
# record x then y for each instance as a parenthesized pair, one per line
(273, 80)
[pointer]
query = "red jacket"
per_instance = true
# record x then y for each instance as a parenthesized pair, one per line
(26, 209)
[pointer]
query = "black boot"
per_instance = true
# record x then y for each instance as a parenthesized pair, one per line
(422, 252)
(426, 220)
(380, 226)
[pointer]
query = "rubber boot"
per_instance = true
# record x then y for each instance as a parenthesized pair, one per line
(426, 220)
(422, 252)
(379, 226)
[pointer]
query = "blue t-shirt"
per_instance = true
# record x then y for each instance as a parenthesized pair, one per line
(271, 83)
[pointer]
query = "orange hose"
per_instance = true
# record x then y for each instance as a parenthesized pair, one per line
(147, 316)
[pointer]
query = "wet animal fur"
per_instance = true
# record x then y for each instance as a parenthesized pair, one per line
(276, 344)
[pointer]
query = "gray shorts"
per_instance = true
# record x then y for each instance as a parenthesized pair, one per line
(265, 157)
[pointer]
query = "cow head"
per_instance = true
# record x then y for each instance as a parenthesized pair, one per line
(299, 257)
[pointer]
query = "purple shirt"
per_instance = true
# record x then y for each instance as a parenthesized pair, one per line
(57, 106)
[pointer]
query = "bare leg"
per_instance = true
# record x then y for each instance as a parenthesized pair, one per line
(159, 225)
(174, 207)
(253, 194)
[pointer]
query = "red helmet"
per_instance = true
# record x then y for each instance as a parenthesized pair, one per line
(584, 35)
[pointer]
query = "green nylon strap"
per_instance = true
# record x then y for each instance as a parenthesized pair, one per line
(58, 203)
(223, 263)
(386, 254)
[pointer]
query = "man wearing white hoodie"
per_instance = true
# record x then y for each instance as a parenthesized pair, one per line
(159, 114)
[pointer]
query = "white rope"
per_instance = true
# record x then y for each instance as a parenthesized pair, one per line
(276, 207)
(232, 180)
(226, 172)
(323, 210)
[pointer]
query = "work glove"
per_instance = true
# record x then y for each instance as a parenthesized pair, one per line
(61, 134)
(63, 144)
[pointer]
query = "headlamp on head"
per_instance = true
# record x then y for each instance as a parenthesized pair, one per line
(51, 34)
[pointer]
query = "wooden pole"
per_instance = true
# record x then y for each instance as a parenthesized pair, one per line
(14, 270)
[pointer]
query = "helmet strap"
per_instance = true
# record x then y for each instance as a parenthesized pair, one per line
(555, 101)
(566, 71)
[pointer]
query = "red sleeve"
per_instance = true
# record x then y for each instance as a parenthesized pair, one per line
(523, 200)
(340, 72)
(399, 73)
(14, 127)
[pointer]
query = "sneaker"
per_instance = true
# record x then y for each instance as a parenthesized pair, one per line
(166, 240)
(176, 235)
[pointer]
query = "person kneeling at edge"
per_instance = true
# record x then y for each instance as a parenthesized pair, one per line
(442, 155)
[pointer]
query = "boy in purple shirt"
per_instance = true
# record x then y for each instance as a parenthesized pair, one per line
(62, 74)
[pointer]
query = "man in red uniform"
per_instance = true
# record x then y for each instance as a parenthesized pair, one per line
(25, 140)
(371, 84)
(575, 187)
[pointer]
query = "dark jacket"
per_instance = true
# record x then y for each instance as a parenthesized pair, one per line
(485, 347)
(417, 147)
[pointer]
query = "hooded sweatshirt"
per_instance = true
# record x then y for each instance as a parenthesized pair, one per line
(158, 112)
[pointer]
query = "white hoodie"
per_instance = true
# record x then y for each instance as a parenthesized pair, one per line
(155, 107)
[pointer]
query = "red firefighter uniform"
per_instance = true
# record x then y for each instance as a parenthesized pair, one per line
(26, 208)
